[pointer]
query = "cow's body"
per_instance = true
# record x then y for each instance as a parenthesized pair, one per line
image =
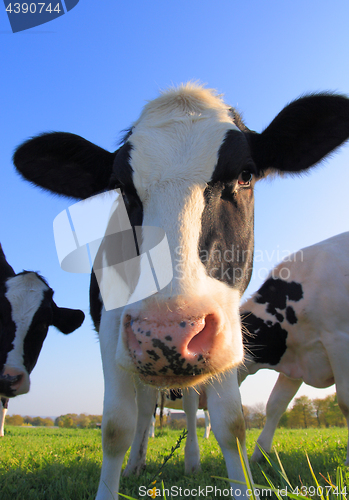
(188, 167)
(299, 326)
(27, 309)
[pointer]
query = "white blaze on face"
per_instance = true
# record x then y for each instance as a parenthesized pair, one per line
(175, 146)
(25, 293)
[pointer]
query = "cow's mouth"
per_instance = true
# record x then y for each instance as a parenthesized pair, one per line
(171, 382)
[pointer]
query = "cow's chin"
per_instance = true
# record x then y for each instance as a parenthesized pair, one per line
(174, 382)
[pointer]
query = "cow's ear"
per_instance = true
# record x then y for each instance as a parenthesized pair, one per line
(66, 320)
(65, 164)
(302, 134)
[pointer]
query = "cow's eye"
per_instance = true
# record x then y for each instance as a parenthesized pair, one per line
(245, 178)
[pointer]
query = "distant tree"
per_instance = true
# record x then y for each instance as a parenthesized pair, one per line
(83, 421)
(247, 412)
(15, 420)
(256, 416)
(302, 413)
(321, 407)
(72, 420)
(41, 422)
(94, 420)
(333, 415)
(283, 422)
(66, 421)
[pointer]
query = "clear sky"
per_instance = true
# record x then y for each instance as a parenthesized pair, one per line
(90, 72)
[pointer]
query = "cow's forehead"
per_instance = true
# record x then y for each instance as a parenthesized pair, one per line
(178, 137)
(186, 100)
(24, 292)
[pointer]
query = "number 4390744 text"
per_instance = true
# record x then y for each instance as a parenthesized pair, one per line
(32, 8)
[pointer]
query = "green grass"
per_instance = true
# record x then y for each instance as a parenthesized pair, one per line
(64, 464)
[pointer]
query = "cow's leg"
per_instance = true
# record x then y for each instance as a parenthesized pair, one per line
(152, 426)
(207, 424)
(146, 401)
(4, 406)
(192, 451)
(337, 353)
(284, 390)
(342, 388)
(119, 411)
(224, 405)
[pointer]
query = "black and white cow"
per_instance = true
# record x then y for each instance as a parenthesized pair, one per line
(27, 309)
(299, 326)
(188, 166)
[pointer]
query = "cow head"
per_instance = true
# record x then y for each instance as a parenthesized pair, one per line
(188, 166)
(27, 309)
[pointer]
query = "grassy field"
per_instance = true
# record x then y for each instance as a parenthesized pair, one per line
(64, 464)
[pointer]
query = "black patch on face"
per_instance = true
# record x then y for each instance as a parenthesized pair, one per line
(266, 341)
(7, 326)
(227, 225)
(120, 243)
(37, 331)
(95, 302)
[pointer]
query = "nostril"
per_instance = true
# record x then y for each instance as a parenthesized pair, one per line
(202, 342)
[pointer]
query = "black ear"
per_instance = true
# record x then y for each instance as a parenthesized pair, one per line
(66, 320)
(65, 164)
(303, 133)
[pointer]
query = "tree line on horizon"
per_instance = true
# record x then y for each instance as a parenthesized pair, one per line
(70, 421)
(304, 413)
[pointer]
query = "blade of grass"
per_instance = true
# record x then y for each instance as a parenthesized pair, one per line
(282, 470)
(245, 469)
(315, 478)
(163, 489)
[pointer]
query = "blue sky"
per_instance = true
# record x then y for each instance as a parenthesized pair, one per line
(90, 72)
